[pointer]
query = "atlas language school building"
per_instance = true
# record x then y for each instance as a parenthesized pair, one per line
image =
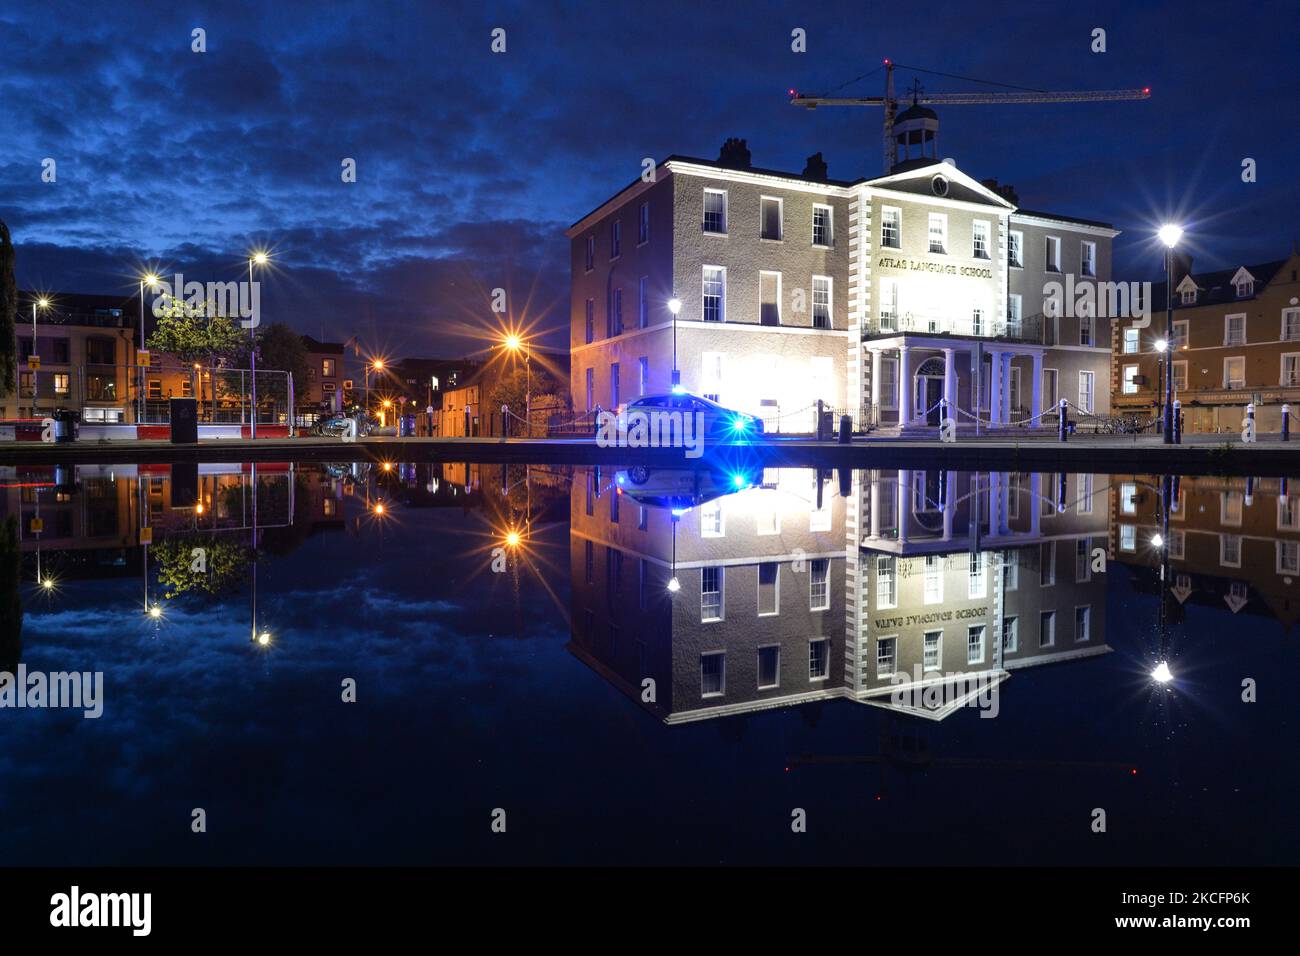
(876, 296)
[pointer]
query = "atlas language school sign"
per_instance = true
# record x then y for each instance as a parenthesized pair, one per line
(934, 617)
(941, 268)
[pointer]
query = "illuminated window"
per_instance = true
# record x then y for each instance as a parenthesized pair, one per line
(821, 313)
(715, 211)
(819, 659)
(938, 232)
(819, 584)
(327, 368)
(1234, 330)
(885, 656)
(891, 227)
(886, 582)
(822, 233)
(769, 573)
(1010, 635)
(980, 240)
(932, 650)
(1052, 254)
(975, 644)
(1015, 250)
(933, 579)
(711, 594)
(715, 294)
(1088, 259)
(770, 226)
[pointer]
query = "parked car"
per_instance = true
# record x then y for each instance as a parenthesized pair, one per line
(720, 423)
(681, 489)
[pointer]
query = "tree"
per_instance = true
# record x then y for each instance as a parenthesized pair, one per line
(225, 564)
(192, 337)
(8, 312)
(280, 347)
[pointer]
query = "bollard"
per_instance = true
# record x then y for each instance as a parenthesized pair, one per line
(846, 429)
(1060, 426)
(1250, 421)
(1178, 422)
(820, 405)
(1286, 422)
(1250, 491)
(943, 412)
(1061, 489)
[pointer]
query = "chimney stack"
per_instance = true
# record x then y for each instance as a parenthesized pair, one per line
(815, 168)
(734, 153)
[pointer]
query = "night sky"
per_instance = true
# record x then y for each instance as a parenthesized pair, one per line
(470, 164)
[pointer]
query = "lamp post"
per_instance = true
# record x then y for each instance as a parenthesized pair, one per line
(256, 258)
(1169, 235)
(151, 280)
(1162, 346)
(42, 303)
(675, 306)
(516, 344)
(377, 365)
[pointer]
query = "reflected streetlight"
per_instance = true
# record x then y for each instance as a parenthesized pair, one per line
(1169, 235)
(1161, 674)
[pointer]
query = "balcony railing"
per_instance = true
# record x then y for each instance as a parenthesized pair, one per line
(1029, 329)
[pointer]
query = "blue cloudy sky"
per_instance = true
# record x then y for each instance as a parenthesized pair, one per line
(470, 164)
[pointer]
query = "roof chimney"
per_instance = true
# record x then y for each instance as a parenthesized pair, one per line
(734, 153)
(1005, 190)
(815, 168)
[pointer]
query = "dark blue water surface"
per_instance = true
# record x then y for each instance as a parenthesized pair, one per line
(478, 690)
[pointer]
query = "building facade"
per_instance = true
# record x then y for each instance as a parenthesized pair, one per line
(878, 297)
(1235, 341)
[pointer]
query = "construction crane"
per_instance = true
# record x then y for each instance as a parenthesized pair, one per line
(1012, 95)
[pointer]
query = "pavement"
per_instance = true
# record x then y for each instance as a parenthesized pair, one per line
(1199, 454)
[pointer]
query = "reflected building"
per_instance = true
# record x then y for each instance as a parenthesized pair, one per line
(1228, 541)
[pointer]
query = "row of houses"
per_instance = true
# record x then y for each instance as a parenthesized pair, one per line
(882, 296)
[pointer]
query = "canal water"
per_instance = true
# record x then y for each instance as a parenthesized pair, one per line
(388, 663)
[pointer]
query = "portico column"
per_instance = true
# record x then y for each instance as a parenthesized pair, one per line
(1006, 386)
(948, 508)
(950, 381)
(875, 502)
(903, 489)
(1036, 408)
(875, 387)
(995, 386)
(1036, 506)
(904, 385)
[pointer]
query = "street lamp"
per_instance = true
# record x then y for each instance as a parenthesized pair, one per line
(42, 303)
(149, 279)
(1169, 234)
(259, 259)
(514, 343)
(675, 306)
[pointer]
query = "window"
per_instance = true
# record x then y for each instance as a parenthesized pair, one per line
(767, 521)
(1230, 550)
(891, 227)
(187, 387)
(713, 674)
(1234, 372)
(1177, 544)
(1047, 563)
(1088, 259)
(1082, 624)
(100, 351)
(1189, 296)
(885, 656)
(933, 579)
(1288, 513)
(615, 239)
(1082, 560)
(769, 667)
(886, 582)
(975, 644)
(1085, 494)
(1085, 331)
(715, 294)
(1131, 341)
(1245, 288)
(977, 321)
(715, 211)
(61, 383)
(932, 650)
(1130, 379)
(613, 385)
(822, 231)
(1290, 369)
(888, 304)
(1086, 380)
(1179, 376)
(711, 594)
(1046, 628)
(642, 375)
(769, 298)
(591, 253)
(643, 302)
(1128, 498)
(1290, 325)
(977, 585)
(155, 388)
(1050, 395)
(980, 240)
(1288, 557)
(591, 389)
(889, 383)
(711, 524)
(819, 584)
(821, 305)
(591, 321)
(1015, 250)
(770, 218)
(819, 659)
(1052, 254)
(643, 224)
(590, 561)
(1179, 339)
(1127, 537)
(768, 588)
(615, 323)
(1010, 635)
(1015, 311)
(819, 519)
(327, 368)
(938, 232)
(1011, 567)
(1234, 330)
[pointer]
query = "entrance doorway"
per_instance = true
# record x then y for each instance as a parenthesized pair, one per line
(927, 391)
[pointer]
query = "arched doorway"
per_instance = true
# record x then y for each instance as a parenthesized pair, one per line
(927, 389)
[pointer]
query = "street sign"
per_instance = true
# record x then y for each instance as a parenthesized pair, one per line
(33, 362)
(37, 526)
(146, 535)
(142, 357)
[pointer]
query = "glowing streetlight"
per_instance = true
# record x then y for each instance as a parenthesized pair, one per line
(674, 585)
(1157, 540)
(1161, 345)
(512, 539)
(48, 584)
(1162, 674)
(1169, 234)
(513, 342)
(675, 306)
(379, 508)
(264, 639)
(155, 611)
(256, 258)
(41, 303)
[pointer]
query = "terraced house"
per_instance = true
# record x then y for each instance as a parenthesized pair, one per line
(878, 297)
(1235, 341)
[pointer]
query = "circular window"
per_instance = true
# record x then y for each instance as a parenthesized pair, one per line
(940, 186)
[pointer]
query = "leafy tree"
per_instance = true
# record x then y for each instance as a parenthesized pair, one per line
(8, 312)
(193, 337)
(226, 560)
(280, 347)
